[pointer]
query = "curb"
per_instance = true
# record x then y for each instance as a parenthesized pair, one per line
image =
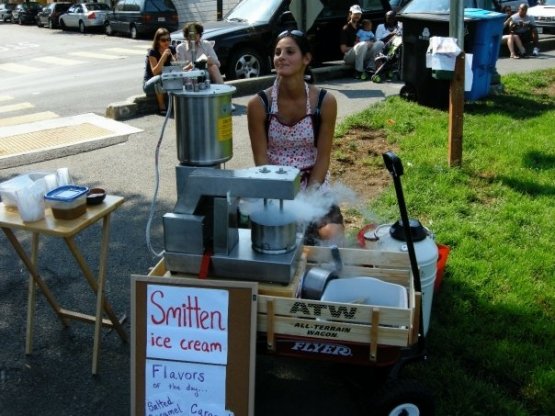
(139, 105)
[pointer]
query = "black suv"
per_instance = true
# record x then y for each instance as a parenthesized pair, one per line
(25, 12)
(141, 17)
(49, 16)
(244, 40)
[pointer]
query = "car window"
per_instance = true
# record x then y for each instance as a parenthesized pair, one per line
(131, 6)
(98, 6)
(165, 6)
(119, 6)
(253, 11)
(372, 5)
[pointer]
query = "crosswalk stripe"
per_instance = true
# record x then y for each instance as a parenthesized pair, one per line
(19, 69)
(95, 55)
(5, 98)
(28, 118)
(126, 51)
(15, 107)
(58, 61)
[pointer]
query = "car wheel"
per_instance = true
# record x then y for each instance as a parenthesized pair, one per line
(62, 25)
(81, 27)
(133, 32)
(246, 63)
(108, 29)
(402, 397)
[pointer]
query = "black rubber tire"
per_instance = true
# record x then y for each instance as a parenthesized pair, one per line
(62, 25)
(246, 63)
(402, 397)
(82, 28)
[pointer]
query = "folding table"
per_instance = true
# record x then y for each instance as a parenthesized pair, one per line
(10, 220)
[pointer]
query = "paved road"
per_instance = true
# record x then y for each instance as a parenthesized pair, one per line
(55, 380)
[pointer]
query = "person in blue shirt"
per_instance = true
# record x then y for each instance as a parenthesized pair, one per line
(365, 34)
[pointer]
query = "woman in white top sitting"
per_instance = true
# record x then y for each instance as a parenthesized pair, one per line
(193, 32)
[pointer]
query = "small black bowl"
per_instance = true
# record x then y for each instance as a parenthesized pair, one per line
(96, 196)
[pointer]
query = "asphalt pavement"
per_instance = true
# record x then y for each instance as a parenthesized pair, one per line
(56, 379)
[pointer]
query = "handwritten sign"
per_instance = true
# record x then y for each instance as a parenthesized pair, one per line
(183, 387)
(187, 324)
(193, 347)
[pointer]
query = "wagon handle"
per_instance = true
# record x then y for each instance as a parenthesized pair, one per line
(395, 168)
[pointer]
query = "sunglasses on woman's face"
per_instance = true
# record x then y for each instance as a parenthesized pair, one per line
(164, 39)
(295, 33)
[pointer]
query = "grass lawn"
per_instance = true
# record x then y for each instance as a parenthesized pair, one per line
(491, 342)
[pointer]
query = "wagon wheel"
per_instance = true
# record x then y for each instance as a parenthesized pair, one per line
(376, 78)
(402, 398)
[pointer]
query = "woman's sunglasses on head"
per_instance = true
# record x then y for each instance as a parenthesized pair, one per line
(295, 33)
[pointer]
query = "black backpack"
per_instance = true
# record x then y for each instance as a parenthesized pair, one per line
(316, 118)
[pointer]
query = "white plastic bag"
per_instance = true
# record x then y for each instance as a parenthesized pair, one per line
(30, 201)
(63, 177)
(442, 53)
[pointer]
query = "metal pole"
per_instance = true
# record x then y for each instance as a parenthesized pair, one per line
(456, 90)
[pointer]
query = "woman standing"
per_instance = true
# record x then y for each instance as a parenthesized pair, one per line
(161, 54)
(286, 135)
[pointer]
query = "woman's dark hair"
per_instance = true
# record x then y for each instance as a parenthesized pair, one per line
(299, 38)
(302, 42)
(161, 31)
(192, 27)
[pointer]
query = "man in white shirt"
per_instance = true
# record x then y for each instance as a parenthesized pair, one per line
(390, 28)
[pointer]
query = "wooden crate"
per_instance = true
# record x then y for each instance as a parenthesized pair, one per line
(345, 322)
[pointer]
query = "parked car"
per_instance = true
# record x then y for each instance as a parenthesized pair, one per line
(49, 16)
(544, 15)
(25, 13)
(245, 38)
(141, 17)
(85, 16)
(6, 12)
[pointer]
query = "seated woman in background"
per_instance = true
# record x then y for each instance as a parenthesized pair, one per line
(510, 37)
(161, 54)
(185, 54)
(291, 134)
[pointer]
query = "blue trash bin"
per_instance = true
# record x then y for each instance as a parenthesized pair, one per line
(488, 28)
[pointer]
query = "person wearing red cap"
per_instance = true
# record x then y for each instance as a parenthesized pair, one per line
(360, 55)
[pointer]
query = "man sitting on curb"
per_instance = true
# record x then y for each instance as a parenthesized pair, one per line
(525, 27)
(360, 55)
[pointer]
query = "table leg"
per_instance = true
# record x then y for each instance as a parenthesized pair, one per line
(34, 273)
(31, 297)
(97, 285)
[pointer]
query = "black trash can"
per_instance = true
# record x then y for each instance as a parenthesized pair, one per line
(482, 37)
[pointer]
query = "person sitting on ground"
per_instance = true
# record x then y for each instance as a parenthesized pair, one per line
(525, 28)
(285, 128)
(360, 55)
(192, 32)
(161, 54)
(365, 33)
(386, 31)
(511, 38)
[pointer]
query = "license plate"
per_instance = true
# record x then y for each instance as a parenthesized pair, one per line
(540, 29)
(161, 19)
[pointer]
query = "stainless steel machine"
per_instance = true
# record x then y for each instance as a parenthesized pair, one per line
(204, 226)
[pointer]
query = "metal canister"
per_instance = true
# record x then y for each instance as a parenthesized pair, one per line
(204, 126)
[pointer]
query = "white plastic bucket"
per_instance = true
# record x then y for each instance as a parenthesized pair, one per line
(426, 257)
